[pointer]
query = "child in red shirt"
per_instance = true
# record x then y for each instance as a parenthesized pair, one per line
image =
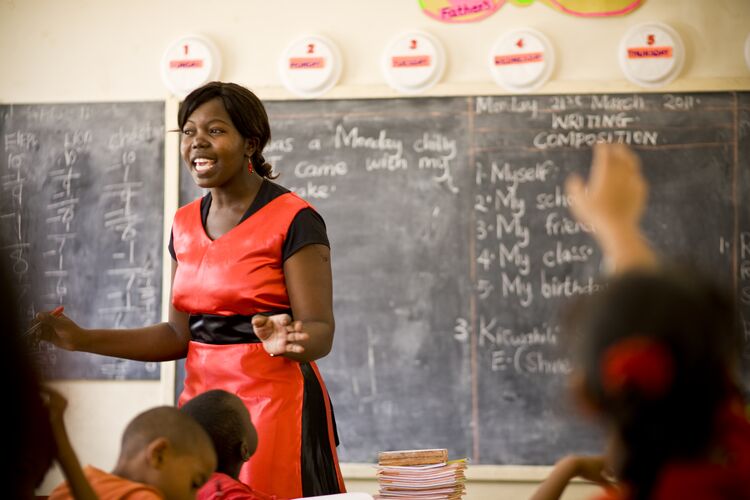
(658, 358)
(226, 420)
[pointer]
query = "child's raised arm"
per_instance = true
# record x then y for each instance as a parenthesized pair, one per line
(612, 201)
(66, 456)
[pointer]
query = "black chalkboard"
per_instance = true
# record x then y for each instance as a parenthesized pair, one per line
(741, 243)
(81, 221)
(453, 250)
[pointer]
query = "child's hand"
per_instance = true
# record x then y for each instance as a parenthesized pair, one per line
(56, 405)
(279, 333)
(615, 195)
(591, 468)
(612, 202)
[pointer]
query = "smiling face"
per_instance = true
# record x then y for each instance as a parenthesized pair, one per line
(213, 150)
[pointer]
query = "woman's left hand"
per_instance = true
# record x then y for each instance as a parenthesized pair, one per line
(279, 333)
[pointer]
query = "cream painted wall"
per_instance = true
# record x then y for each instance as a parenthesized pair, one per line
(106, 50)
(73, 50)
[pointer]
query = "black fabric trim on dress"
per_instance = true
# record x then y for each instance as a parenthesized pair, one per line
(319, 475)
(307, 227)
(222, 330)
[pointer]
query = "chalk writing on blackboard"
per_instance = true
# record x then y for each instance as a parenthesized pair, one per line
(454, 252)
(82, 225)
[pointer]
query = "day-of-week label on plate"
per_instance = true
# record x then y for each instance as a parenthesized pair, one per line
(306, 62)
(649, 52)
(186, 63)
(529, 57)
(411, 61)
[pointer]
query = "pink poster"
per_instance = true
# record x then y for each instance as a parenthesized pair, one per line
(467, 11)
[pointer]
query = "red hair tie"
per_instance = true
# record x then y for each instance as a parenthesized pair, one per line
(637, 363)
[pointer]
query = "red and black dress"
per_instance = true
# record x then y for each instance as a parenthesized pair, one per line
(221, 284)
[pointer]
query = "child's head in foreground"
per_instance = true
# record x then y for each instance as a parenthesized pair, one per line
(226, 420)
(658, 351)
(167, 449)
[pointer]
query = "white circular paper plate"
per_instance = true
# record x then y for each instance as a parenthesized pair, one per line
(310, 66)
(521, 60)
(651, 54)
(188, 63)
(413, 62)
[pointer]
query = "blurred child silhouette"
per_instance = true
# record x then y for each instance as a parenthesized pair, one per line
(34, 412)
(657, 360)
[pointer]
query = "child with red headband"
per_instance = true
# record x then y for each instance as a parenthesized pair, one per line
(658, 356)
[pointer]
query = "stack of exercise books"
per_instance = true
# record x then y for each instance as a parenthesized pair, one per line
(420, 474)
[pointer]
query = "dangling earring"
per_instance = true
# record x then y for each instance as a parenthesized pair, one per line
(250, 168)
